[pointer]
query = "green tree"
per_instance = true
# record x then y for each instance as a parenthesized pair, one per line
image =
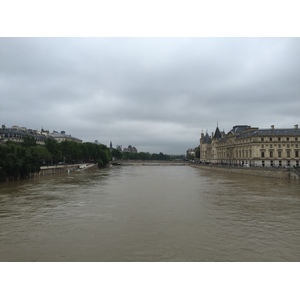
(54, 149)
(18, 160)
(197, 152)
(42, 154)
(104, 156)
(70, 151)
(144, 155)
(116, 154)
(29, 141)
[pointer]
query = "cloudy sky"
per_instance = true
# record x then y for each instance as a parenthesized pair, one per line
(156, 94)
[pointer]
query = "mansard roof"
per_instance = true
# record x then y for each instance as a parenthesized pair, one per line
(245, 131)
(21, 132)
(238, 129)
(62, 134)
(272, 132)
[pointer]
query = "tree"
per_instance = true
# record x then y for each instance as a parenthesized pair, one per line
(104, 156)
(54, 149)
(19, 160)
(197, 152)
(42, 154)
(29, 141)
(116, 154)
(144, 155)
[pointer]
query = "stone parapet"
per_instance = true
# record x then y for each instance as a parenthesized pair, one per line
(280, 173)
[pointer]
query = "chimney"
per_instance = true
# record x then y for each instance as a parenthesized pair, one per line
(62, 132)
(272, 126)
(296, 127)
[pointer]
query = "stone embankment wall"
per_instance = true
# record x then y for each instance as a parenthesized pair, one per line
(64, 169)
(280, 173)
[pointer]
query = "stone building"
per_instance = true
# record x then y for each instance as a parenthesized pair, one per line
(62, 136)
(244, 145)
(130, 149)
(18, 134)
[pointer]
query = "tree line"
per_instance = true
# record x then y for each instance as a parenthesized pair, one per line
(19, 160)
(139, 156)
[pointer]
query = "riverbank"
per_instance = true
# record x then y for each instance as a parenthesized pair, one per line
(280, 173)
(64, 168)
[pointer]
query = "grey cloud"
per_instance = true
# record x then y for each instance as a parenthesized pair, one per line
(149, 92)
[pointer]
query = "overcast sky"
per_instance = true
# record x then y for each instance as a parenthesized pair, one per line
(156, 94)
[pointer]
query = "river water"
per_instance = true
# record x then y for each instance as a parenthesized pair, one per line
(150, 213)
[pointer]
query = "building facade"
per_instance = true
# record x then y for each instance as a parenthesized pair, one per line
(18, 134)
(244, 145)
(130, 149)
(62, 136)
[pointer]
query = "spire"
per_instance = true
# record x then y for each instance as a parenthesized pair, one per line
(217, 134)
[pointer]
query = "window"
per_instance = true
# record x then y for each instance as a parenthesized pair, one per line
(297, 163)
(262, 139)
(272, 164)
(270, 139)
(296, 153)
(263, 163)
(279, 146)
(288, 163)
(279, 153)
(280, 163)
(279, 139)
(262, 154)
(288, 153)
(287, 139)
(296, 139)
(271, 153)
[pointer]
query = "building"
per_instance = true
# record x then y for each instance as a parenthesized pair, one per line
(190, 153)
(18, 134)
(62, 136)
(130, 149)
(244, 145)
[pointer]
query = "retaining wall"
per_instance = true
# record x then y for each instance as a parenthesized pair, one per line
(280, 173)
(64, 168)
